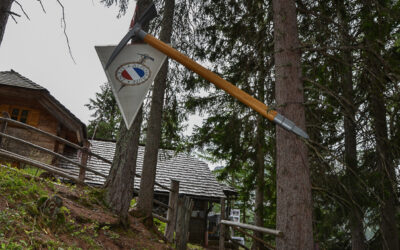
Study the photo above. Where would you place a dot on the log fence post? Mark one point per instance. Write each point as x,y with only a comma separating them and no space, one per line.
222,226
185,206
84,159
3,126
172,210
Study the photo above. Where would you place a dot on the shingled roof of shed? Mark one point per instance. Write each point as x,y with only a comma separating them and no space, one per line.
194,175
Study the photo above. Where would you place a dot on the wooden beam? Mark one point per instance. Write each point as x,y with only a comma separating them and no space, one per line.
66,142
99,157
49,168
161,203
160,218
60,114
254,237
24,125
252,227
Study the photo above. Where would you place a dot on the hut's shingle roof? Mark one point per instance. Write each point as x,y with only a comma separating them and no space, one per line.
12,78
194,175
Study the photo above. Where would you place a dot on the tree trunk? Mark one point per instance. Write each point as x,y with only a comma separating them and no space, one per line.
294,206
375,79
390,237
5,8
145,204
121,179
259,201
350,133
388,225
260,156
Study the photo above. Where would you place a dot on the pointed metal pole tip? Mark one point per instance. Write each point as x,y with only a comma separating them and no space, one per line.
290,126
300,132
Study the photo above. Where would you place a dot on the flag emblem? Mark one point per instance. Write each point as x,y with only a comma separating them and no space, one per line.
132,73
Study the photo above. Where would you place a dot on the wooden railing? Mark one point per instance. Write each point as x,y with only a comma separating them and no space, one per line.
240,228
173,204
52,169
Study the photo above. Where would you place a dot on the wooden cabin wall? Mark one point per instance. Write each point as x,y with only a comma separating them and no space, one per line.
43,120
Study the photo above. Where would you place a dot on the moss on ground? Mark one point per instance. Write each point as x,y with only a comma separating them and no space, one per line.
29,220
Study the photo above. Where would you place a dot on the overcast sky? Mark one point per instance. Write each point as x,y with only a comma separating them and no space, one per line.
37,48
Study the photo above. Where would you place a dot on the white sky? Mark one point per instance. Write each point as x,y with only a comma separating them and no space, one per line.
37,48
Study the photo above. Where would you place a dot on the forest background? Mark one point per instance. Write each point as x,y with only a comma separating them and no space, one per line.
350,54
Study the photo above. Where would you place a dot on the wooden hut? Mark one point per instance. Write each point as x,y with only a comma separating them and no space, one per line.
194,176
32,104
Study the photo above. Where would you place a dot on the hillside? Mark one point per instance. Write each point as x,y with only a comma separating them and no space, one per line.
40,214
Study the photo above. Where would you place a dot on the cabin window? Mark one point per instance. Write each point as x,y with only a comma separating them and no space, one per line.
24,115
19,114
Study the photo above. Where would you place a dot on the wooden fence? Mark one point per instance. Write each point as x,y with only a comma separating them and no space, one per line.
240,228
178,210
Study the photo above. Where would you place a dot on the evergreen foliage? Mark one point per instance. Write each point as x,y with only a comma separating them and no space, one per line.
350,57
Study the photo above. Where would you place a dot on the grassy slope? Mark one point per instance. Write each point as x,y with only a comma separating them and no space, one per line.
82,222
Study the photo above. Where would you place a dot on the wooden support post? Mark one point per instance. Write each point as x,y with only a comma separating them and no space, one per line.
57,146
206,210
172,210
84,159
185,206
222,226
3,125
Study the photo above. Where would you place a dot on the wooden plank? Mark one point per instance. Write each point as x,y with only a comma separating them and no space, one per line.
254,237
99,157
163,219
62,140
38,164
254,228
161,203
52,153
172,210
73,145
60,114
222,226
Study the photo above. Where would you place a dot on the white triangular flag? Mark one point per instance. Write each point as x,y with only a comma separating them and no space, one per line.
130,75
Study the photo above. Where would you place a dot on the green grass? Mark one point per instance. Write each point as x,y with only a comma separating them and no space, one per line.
160,225
23,224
